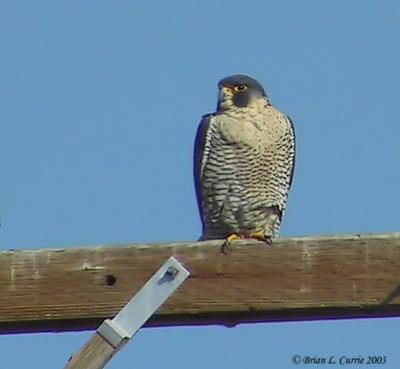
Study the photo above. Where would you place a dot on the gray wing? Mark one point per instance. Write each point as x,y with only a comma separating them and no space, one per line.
201,151
288,163
294,150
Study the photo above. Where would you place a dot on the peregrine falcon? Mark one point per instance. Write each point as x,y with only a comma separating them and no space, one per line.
244,159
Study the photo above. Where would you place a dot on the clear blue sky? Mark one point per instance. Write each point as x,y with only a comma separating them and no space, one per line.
99,106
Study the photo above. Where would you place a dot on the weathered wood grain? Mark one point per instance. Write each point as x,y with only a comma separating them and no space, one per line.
95,354
296,278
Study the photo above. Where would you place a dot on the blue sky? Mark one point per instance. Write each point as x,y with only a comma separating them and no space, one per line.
99,106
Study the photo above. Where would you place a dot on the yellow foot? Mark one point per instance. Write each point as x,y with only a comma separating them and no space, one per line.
260,236
228,242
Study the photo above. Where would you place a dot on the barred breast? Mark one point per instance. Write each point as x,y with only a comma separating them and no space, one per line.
247,171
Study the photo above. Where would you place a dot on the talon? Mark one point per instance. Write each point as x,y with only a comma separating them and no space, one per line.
229,240
268,240
261,236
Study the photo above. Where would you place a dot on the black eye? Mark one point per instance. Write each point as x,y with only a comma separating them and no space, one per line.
240,87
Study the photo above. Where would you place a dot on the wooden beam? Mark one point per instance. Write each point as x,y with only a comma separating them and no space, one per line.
95,354
295,278
114,334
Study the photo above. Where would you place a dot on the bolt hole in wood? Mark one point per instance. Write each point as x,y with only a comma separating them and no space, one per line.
110,280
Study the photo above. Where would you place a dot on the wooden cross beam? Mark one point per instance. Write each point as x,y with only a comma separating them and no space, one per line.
303,278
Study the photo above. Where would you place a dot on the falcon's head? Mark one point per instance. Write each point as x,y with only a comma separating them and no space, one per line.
238,90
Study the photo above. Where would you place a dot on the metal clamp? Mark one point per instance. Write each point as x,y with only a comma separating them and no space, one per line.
144,304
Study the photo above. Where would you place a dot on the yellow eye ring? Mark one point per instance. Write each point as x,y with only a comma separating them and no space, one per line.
240,88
